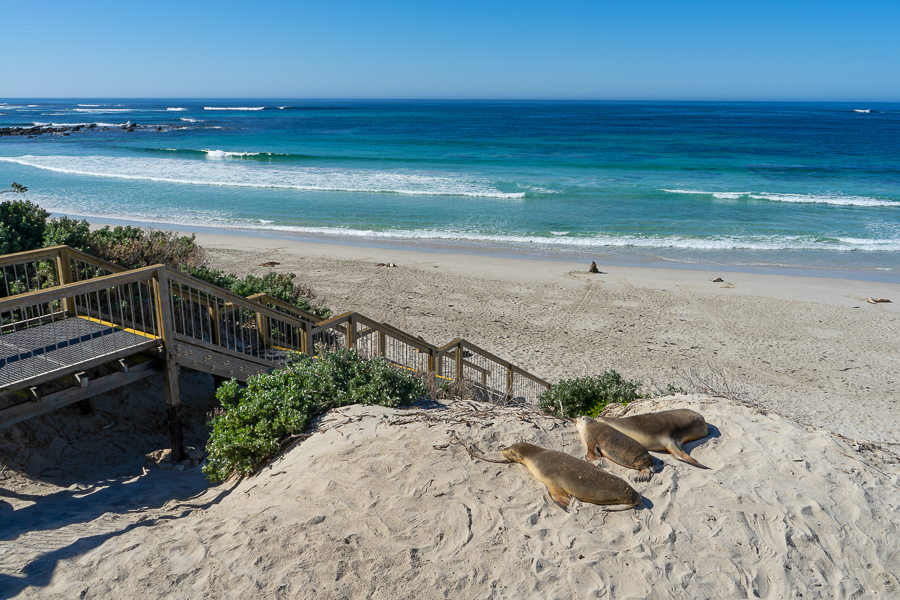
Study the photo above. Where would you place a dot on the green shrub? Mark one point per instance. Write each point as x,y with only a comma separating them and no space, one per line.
588,395
127,246
22,225
278,285
134,247
68,232
257,418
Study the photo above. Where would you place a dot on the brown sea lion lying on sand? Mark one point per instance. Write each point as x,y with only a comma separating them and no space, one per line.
614,445
566,476
663,431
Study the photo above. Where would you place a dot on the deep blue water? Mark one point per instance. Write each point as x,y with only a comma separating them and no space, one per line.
730,184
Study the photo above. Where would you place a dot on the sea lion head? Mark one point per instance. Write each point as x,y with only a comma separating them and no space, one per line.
518,452
581,423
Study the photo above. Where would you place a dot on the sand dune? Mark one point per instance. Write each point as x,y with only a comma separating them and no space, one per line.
378,505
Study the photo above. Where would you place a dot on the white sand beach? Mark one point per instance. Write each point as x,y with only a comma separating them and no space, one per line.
801,499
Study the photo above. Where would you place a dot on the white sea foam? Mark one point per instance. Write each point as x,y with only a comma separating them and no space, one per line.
825,198
224,154
242,174
102,110
176,109
187,120
560,232
862,110
38,124
91,105
600,241
234,108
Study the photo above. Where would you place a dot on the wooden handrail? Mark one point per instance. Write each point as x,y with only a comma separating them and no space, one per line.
392,331
29,256
79,287
445,349
264,298
236,299
93,260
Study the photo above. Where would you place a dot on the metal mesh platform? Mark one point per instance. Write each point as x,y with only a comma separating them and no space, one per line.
58,346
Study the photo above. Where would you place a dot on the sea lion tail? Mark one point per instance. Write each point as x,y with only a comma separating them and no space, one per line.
678,452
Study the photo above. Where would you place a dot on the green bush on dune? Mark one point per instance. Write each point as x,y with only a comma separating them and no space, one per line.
588,395
256,419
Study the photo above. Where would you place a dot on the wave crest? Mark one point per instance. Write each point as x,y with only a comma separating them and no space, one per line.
826,198
241,174
234,108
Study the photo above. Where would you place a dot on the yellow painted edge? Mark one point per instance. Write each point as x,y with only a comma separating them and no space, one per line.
114,326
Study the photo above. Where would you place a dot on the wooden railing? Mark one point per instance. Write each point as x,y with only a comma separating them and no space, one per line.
24,272
47,332
210,329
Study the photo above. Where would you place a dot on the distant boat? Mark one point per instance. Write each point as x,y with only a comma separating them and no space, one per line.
862,110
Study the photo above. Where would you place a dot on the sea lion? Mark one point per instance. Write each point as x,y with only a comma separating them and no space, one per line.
614,445
663,431
566,476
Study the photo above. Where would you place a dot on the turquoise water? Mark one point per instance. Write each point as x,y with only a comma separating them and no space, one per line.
735,185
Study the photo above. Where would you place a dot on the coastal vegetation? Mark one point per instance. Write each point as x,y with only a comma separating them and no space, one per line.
589,395
255,421
24,226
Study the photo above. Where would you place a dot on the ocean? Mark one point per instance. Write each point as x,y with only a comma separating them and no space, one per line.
808,188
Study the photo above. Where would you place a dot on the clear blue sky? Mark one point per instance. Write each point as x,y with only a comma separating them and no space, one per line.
598,49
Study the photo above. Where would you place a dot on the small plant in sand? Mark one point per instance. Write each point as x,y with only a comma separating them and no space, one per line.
256,419
588,395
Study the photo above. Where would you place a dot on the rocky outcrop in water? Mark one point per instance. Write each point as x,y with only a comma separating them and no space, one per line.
67,129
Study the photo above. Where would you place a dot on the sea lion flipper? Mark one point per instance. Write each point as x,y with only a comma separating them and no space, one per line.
591,454
560,496
643,475
678,452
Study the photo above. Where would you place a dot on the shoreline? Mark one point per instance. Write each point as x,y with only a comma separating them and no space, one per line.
832,290
607,257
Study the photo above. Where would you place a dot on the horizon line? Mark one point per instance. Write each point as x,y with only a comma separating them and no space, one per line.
453,99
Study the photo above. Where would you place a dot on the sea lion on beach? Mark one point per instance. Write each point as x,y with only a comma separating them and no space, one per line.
663,431
614,445
566,476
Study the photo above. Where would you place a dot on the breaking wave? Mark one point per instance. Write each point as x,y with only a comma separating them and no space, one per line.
240,174
835,199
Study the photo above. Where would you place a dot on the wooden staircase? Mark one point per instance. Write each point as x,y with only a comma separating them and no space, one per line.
73,326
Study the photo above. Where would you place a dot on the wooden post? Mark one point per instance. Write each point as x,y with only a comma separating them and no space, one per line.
509,382
351,331
309,343
262,329
64,272
214,333
170,372
459,362
382,344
